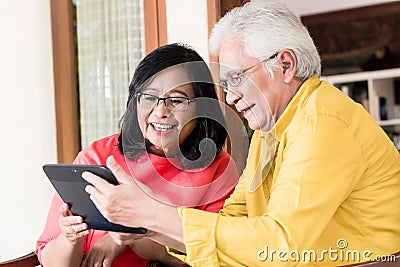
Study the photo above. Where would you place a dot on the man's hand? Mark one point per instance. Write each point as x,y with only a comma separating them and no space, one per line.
125,203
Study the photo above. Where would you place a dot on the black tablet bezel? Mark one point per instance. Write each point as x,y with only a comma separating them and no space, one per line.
69,184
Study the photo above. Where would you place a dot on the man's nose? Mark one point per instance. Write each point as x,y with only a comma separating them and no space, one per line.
232,97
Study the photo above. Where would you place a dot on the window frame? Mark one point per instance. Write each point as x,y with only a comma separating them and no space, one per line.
65,68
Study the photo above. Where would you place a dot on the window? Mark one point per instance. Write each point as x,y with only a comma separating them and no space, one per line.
65,69
110,41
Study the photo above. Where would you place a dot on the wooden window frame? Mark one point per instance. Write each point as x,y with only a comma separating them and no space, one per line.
65,82
64,68
215,10
155,21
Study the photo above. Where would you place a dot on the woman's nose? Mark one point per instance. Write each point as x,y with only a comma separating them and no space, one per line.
161,109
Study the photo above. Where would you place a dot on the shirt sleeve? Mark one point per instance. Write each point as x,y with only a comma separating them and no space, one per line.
235,205
307,189
51,229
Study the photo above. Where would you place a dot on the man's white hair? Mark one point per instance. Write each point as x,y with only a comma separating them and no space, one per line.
266,28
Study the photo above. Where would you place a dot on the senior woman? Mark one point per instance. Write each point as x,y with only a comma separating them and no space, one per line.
172,148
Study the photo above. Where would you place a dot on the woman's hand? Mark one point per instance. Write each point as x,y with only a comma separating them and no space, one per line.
66,249
147,248
103,252
125,239
72,227
151,250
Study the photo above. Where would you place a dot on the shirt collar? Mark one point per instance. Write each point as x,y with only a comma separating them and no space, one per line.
298,101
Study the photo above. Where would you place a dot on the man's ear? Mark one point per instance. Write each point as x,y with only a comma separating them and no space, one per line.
288,64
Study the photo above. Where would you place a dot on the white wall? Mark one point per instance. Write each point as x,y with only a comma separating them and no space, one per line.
187,22
27,123
308,7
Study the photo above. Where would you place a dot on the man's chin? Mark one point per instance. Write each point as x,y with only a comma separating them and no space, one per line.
253,126
265,127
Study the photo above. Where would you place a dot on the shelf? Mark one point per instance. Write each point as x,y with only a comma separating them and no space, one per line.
379,92
363,76
391,122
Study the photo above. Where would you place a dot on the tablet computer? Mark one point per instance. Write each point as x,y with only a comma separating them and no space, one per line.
69,184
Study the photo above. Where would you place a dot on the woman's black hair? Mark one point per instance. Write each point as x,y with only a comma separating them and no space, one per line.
210,120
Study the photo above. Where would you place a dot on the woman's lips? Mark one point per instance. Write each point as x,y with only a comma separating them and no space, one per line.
162,128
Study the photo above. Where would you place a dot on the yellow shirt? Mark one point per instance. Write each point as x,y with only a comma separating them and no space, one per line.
331,196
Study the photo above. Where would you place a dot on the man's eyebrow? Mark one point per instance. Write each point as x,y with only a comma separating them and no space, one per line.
223,76
228,72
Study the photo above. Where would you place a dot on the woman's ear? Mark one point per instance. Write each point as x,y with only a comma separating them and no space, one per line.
289,65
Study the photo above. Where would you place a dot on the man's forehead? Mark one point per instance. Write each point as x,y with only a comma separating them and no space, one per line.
232,57
231,52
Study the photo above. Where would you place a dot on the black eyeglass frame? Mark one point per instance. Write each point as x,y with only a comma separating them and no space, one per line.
167,101
239,74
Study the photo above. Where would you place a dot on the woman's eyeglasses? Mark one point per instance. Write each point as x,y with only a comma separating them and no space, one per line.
235,77
171,103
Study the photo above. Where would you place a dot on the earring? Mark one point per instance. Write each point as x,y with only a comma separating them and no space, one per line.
285,81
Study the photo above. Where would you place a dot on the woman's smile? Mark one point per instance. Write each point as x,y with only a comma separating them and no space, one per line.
161,128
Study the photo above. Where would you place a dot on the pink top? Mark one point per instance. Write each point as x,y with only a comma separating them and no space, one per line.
202,188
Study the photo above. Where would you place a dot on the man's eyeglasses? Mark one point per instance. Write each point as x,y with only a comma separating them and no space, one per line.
171,103
235,77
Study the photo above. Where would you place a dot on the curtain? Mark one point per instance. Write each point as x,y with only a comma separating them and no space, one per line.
110,38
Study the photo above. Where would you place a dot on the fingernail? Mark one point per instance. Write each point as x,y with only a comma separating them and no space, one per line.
87,189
